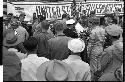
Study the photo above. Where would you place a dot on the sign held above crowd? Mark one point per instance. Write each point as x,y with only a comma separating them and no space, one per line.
38,7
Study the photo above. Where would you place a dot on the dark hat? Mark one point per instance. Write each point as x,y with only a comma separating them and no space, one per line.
11,39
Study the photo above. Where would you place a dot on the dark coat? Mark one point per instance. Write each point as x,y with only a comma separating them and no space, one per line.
70,33
58,47
111,59
42,39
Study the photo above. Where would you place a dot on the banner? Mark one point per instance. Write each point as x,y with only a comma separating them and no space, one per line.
36,7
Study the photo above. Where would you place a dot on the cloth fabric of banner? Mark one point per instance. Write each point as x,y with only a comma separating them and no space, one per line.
70,7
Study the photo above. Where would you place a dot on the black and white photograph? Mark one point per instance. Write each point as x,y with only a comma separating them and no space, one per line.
62,40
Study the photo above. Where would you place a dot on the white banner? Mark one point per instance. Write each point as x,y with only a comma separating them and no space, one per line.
36,7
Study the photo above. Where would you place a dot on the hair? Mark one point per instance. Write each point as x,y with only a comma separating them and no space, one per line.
45,25
42,18
30,44
114,21
58,26
64,16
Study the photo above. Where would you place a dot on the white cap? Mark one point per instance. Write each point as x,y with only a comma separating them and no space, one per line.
76,45
79,28
71,21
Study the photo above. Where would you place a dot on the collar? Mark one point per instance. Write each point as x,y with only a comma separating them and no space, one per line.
13,49
32,55
45,32
117,41
74,57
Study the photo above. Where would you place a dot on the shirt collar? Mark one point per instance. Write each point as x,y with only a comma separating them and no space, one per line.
13,49
117,41
74,57
32,55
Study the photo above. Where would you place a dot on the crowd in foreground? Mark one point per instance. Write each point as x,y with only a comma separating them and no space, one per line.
88,49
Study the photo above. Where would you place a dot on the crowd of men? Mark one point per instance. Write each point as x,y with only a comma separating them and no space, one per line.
87,48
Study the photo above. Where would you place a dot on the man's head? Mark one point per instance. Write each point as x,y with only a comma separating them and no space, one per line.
58,26
41,18
108,18
76,45
22,16
45,25
114,31
34,14
31,44
64,16
14,22
92,13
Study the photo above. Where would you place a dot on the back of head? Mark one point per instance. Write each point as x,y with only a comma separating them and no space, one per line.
30,44
45,25
58,26
64,16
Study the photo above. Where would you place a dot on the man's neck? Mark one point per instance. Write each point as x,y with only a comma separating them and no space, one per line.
115,41
60,33
32,52
44,30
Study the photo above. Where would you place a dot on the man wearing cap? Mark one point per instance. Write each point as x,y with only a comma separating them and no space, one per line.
42,39
112,57
58,48
80,68
32,62
70,31
55,70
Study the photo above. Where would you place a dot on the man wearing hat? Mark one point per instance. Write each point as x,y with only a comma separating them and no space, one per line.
11,42
80,68
32,62
112,57
55,70
58,48
70,31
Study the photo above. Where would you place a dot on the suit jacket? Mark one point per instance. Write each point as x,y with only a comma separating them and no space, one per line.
42,39
58,47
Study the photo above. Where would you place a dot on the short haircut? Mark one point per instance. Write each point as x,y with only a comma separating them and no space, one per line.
30,44
64,16
45,24
58,26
